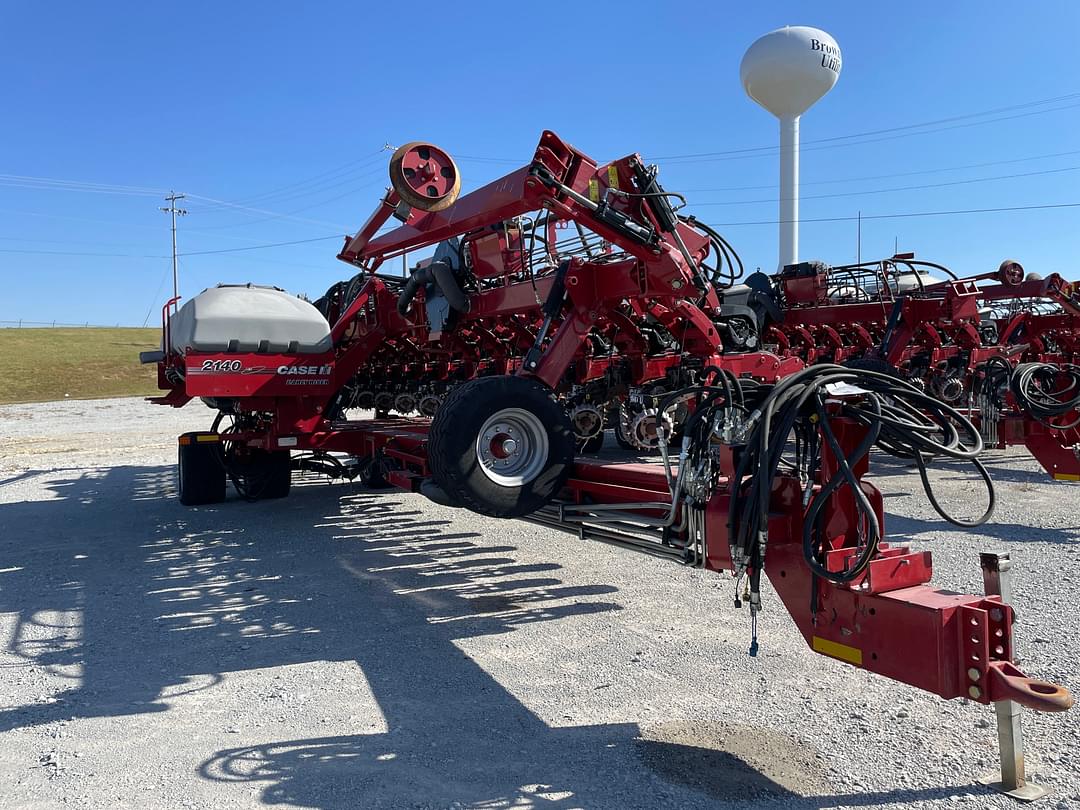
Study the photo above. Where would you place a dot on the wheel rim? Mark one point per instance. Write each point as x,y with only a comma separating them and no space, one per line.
512,447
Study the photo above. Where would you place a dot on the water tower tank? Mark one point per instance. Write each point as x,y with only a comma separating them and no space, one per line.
786,71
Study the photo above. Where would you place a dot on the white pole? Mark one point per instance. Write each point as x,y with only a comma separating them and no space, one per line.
789,190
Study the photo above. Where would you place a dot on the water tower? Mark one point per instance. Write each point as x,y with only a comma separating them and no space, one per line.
786,71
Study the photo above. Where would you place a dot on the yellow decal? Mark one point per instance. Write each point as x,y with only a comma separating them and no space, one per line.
612,176
834,649
212,437
1066,477
594,190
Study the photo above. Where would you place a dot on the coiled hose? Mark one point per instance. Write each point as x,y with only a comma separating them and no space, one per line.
900,420
1048,392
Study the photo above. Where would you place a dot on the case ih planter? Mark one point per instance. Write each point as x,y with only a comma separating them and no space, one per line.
567,297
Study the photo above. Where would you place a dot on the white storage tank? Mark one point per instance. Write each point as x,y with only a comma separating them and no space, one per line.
249,318
786,72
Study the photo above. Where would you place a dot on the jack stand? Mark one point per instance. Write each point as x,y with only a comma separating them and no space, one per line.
1013,782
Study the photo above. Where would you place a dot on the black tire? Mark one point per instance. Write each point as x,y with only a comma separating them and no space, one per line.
278,474
261,474
455,431
200,469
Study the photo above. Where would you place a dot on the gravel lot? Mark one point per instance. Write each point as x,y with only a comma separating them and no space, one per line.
351,649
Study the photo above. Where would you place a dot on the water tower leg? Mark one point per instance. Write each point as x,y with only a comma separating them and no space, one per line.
1013,782
789,190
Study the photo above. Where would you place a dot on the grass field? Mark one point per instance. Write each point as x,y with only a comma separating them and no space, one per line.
37,365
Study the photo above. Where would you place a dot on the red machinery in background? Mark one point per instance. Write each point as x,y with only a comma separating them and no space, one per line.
961,339
568,296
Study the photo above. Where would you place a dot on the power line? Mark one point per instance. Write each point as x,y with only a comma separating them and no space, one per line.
321,187
144,225
901,188
289,214
261,247
366,160
904,215
50,184
775,150
278,200
480,159
901,215
274,214
155,299
79,253
906,130
888,176
900,131
54,184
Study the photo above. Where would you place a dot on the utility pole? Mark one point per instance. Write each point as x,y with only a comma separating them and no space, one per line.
858,241
173,210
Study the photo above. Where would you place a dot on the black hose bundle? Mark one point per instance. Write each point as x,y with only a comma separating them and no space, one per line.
718,400
996,373
1048,392
729,266
900,420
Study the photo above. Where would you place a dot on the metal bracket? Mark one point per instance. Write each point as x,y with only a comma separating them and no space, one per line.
1013,781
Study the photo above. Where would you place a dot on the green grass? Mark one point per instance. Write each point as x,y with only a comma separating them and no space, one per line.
38,365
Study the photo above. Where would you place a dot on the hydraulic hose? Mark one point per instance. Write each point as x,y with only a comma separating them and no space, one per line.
900,420
442,276
1048,392
725,254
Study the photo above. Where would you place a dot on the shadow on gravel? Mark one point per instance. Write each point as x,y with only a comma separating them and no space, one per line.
428,765
1002,468
19,477
116,586
138,601
899,527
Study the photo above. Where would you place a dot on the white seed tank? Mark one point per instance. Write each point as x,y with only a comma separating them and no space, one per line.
248,318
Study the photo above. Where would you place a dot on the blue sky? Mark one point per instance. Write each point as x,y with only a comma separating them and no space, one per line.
283,108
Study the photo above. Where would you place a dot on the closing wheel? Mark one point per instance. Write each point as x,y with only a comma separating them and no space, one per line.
501,446
424,176
200,469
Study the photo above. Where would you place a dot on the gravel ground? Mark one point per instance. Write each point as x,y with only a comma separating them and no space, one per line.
351,649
